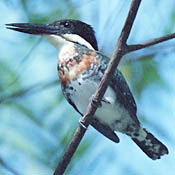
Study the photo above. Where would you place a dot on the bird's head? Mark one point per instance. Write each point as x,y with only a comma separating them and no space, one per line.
60,32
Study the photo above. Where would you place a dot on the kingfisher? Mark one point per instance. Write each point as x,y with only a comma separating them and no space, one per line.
80,68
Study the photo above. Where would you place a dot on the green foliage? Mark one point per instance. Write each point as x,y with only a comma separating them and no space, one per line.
170,28
8,78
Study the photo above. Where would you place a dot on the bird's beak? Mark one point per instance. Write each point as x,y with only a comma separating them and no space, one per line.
37,29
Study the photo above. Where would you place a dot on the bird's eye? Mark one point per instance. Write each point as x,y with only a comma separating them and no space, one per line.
67,24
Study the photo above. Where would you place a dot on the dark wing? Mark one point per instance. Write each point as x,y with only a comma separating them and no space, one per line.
99,126
105,130
124,95
120,86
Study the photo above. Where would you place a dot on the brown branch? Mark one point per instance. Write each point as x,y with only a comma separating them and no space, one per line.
120,50
132,48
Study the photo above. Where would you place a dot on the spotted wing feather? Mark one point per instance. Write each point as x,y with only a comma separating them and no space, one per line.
119,85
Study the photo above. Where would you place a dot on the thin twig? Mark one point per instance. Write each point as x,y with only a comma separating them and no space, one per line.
135,47
148,53
118,53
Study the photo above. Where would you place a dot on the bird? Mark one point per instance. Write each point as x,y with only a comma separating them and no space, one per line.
81,67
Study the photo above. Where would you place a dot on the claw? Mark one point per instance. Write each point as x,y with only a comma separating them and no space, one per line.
105,100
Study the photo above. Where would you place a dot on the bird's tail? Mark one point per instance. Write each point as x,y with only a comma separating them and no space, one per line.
151,146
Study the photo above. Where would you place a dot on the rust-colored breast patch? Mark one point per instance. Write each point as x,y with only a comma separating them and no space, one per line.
76,64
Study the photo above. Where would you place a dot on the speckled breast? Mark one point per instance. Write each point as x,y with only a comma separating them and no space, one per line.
74,62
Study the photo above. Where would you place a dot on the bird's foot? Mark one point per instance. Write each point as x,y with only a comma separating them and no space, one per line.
99,104
106,100
95,102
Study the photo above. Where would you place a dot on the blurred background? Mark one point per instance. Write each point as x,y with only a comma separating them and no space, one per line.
37,123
